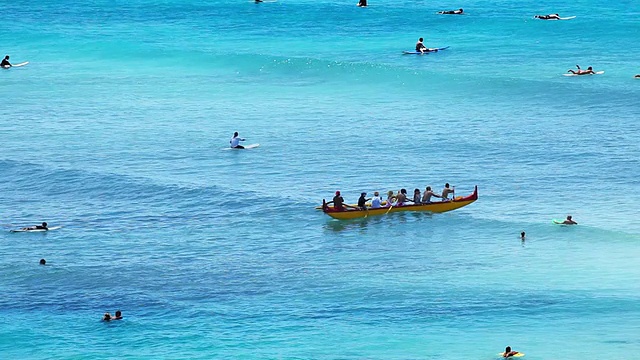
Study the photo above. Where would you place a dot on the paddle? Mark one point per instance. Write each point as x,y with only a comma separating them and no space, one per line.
390,207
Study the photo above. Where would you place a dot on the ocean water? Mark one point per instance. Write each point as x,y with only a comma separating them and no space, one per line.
115,131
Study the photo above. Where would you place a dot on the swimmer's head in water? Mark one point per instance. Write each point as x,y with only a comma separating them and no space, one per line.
43,261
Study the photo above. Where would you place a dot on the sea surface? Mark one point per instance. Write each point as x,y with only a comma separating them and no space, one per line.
115,130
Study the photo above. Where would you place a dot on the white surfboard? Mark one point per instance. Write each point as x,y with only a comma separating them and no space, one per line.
597,73
21,64
36,230
246,147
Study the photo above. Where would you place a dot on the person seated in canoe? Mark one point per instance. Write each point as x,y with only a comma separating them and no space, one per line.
376,201
362,3
508,352
428,193
235,141
417,198
548,17
568,221
446,191
44,226
451,12
5,62
401,198
362,201
391,199
589,71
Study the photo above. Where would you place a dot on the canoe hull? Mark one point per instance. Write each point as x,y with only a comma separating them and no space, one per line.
434,207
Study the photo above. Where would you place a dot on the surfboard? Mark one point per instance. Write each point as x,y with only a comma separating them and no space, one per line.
36,230
597,73
516,355
407,52
21,64
246,147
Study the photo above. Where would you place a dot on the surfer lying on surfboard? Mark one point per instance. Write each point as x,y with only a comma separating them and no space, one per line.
44,226
451,12
548,17
589,71
509,353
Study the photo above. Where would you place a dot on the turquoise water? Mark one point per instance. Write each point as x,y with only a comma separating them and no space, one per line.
115,131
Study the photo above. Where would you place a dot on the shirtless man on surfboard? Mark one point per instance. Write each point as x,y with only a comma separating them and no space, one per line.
589,71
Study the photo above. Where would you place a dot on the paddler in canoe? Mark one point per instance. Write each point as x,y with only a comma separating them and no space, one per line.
338,203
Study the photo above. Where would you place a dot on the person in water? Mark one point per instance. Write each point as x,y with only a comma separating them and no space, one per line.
44,226
589,71
420,46
451,12
548,17
362,3
118,315
446,191
5,62
106,317
522,236
508,352
569,221
428,193
235,141
43,262
376,201
362,201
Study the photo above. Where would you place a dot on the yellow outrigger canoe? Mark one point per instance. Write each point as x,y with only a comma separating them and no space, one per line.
434,207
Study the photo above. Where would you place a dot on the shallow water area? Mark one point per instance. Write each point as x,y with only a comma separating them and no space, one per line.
115,131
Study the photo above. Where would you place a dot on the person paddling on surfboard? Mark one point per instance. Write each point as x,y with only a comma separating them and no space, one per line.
589,71
5,62
235,141
569,221
44,226
451,12
548,17
508,352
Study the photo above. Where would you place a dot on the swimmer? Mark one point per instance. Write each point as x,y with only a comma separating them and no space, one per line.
589,71
637,76
508,352
43,262
451,12
118,315
362,3
569,221
106,317
5,62
235,141
522,236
